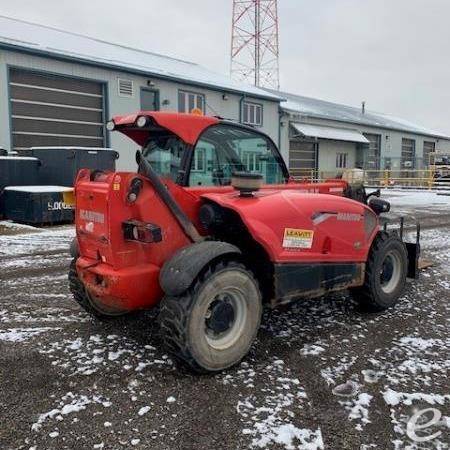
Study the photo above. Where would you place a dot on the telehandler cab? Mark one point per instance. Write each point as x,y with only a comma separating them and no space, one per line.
211,228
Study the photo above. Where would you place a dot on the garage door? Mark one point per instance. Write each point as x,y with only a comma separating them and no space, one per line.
55,111
302,158
372,157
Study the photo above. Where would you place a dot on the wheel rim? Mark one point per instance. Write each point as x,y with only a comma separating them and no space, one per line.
225,318
390,273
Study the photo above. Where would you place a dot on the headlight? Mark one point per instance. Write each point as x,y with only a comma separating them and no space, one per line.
141,121
110,125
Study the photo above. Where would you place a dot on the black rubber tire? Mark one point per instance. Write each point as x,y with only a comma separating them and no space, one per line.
81,297
371,295
182,318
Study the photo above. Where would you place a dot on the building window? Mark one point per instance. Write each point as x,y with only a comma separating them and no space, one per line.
251,161
252,114
341,160
199,163
408,153
188,101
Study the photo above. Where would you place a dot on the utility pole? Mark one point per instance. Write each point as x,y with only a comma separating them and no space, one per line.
255,43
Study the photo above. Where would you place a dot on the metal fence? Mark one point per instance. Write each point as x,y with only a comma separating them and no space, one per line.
429,178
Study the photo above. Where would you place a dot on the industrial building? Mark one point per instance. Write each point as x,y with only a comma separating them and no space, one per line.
59,88
320,136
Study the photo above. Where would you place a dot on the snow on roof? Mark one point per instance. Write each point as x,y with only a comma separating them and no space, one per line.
312,107
20,158
18,34
96,149
39,189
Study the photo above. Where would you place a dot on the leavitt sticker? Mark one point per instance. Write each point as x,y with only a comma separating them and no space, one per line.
295,238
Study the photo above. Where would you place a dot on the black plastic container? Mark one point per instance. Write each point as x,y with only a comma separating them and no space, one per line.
18,171
39,205
60,165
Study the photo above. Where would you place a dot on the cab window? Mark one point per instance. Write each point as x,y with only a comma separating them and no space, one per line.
164,152
224,149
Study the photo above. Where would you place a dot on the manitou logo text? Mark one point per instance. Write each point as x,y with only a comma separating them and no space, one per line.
92,216
349,217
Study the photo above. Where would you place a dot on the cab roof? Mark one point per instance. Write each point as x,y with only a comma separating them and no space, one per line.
187,126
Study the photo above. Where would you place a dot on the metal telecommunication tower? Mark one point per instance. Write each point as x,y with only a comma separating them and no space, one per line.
254,43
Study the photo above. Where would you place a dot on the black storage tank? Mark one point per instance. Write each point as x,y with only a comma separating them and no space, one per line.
18,171
38,204
60,165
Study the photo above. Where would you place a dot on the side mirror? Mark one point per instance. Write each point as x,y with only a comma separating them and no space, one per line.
379,206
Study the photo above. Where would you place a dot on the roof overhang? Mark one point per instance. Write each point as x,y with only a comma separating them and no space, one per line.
331,133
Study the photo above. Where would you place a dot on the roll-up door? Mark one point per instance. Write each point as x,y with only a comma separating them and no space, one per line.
48,110
302,158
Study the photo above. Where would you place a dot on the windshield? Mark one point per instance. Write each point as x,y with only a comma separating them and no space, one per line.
220,151
164,153
224,149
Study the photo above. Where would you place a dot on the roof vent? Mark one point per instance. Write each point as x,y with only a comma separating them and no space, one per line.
125,87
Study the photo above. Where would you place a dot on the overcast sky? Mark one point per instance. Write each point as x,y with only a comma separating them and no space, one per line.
394,54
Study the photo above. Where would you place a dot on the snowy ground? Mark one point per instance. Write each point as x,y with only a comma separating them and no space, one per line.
322,375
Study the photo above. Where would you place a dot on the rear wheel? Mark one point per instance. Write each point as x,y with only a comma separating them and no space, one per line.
212,325
385,277
88,302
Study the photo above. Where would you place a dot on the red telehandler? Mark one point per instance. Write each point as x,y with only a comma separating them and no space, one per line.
211,228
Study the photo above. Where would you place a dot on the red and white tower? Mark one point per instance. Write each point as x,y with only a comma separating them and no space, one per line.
254,43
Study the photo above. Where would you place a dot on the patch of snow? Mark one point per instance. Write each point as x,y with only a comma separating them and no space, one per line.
393,398
421,199
269,419
57,238
69,404
16,226
358,409
19,158
311,350
144,410
39,189
22,334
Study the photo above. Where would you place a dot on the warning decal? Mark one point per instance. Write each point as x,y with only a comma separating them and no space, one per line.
295,238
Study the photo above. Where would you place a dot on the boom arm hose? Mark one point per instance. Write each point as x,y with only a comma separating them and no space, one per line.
188,227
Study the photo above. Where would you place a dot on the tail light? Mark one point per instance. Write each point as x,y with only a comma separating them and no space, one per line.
134,230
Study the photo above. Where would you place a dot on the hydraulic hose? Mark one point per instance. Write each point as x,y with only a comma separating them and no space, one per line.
188,227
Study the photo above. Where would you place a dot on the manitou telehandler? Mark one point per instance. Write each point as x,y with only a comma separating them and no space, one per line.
211,228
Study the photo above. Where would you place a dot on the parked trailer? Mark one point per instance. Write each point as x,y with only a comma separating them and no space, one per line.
60,165
18,171
39,205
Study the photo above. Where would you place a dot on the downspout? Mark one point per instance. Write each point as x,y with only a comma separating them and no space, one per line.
280,117
241,107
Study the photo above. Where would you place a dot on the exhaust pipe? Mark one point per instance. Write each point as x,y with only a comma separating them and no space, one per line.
188,227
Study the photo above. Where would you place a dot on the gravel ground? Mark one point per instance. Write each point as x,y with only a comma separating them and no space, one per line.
322,374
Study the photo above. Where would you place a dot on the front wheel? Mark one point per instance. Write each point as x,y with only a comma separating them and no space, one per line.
385,277
212,325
